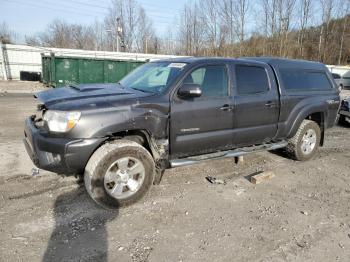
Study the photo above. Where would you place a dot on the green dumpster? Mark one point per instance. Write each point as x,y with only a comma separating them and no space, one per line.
59,71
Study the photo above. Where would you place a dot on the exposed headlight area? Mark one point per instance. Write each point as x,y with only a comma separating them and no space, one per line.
345,105
61,121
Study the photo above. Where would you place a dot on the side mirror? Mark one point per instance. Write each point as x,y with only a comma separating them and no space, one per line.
189,90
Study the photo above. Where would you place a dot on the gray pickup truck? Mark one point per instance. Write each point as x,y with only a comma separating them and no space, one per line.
121,137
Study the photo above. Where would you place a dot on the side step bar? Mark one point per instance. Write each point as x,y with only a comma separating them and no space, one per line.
224,154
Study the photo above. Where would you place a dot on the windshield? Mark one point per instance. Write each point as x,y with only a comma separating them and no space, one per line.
152,77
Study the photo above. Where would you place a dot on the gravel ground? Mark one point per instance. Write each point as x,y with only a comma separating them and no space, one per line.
302,214
20,87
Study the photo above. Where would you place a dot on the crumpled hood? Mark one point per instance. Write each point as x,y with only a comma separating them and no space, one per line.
79,93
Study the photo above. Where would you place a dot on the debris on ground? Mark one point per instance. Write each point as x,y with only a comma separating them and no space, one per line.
261,176
35,171
214,180
304,213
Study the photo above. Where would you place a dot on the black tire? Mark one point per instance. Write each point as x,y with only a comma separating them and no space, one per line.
342,121
101,160
294,147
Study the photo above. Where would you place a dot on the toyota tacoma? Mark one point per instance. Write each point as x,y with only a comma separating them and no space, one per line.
121,137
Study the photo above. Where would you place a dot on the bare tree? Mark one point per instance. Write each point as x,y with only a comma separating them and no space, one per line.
6,35
63,35
32,40
121,22
57,34
269,10
265,25
241,7
305,13
184,33
191,29
144,32
211,20
327,9
311,29
345,25
285,11
227,10
100,36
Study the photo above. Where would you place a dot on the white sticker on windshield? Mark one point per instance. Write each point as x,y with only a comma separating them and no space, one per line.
177,65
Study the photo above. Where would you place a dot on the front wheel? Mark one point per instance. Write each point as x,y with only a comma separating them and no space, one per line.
119,173
304,144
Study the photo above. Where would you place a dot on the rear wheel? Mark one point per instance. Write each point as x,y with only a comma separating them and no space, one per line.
304,144
119,173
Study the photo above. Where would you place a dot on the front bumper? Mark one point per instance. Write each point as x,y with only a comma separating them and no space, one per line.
60,155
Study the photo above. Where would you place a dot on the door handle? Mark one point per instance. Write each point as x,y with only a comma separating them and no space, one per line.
227,107
270,104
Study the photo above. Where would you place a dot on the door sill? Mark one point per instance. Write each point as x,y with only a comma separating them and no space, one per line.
225,154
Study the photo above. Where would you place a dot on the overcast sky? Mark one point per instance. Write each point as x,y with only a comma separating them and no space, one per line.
30,16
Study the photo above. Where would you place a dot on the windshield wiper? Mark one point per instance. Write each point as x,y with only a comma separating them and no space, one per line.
121,85
145,91
74,86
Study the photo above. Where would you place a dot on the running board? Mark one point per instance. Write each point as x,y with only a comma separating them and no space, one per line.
225,154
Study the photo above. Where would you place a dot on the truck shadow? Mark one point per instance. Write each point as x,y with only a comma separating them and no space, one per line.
80,232
281,153
344,125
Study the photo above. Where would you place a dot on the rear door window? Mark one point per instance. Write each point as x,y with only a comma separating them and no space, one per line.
251,80
304,80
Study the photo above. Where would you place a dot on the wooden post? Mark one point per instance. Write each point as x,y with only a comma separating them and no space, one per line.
257,179
239,160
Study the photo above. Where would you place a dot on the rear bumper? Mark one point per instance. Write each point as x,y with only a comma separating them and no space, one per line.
59,155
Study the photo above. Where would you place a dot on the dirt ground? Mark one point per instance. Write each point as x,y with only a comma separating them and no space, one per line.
302,214
20,87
